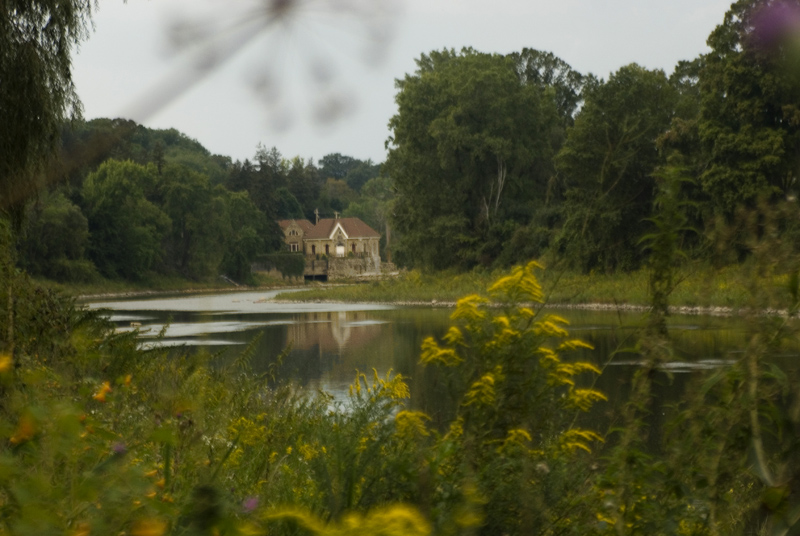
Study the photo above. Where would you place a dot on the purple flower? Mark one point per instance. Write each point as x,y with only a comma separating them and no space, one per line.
119,448
250,504
774,22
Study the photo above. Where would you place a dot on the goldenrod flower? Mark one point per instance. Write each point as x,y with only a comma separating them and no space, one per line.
149,527
411,424
6,363
26,429
100,396
83,529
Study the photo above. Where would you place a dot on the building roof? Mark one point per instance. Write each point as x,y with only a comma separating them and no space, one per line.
305,225
353,228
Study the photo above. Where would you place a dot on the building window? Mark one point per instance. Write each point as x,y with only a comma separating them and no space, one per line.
293,232
354,248
313,250
327,249
293,247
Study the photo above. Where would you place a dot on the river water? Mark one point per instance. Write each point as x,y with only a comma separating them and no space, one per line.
330,341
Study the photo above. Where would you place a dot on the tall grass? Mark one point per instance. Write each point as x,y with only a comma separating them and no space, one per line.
697,286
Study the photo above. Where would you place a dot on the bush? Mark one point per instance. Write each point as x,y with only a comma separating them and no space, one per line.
288,264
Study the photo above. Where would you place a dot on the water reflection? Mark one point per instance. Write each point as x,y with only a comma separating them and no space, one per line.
329,342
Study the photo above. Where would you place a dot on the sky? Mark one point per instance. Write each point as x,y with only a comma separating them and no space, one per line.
318,77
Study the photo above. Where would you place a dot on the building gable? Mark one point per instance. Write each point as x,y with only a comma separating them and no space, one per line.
333,232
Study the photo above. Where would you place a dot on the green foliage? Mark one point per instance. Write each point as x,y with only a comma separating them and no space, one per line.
470,144
37,94
305,184
55,237
545,70
518,398
126,228
748,117
200,223
607,166
361,174
664,243
288,206
288,264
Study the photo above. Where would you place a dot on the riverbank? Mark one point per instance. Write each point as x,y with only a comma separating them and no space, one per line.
161,286
700,290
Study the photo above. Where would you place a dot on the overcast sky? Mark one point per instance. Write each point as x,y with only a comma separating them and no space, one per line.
321,79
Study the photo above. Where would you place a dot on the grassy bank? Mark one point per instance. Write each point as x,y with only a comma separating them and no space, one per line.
160,284
696,286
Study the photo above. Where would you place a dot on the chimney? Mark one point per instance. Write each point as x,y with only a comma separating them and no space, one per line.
316,213
336,215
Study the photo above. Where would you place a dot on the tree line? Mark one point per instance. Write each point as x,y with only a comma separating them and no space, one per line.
492,160
135,201
496,159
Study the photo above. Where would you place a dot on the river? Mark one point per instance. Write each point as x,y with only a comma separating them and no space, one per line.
330,341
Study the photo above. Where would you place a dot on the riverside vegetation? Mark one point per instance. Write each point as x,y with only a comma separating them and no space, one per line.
519,157
702,287
101,437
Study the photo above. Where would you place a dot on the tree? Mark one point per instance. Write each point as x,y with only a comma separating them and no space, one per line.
126,229
54,238
37,94
248,230
374,207
199,224
607,166
304,184
750,117
336,166
288,207
361,173
469,142
546,70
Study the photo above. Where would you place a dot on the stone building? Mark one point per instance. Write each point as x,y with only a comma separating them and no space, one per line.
343,237
335,248
294,231
333,237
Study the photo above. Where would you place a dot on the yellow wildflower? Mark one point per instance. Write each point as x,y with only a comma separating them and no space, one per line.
100,396
149,527
83,529
26,429
433,353
411,424
5,363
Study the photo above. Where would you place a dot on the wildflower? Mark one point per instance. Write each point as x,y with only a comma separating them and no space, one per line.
149,527
119,448
5,363
100,396
309,452
83,529
411,424
433,353
26,429
250,504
